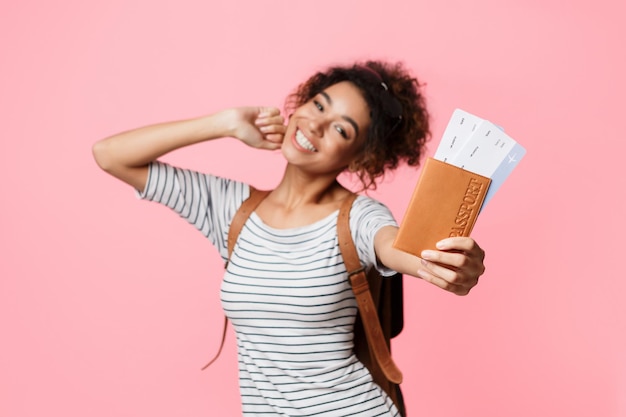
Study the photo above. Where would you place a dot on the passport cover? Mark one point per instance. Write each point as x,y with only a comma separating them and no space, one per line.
445,203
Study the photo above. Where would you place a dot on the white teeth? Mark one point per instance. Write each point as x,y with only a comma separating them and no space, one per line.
304,142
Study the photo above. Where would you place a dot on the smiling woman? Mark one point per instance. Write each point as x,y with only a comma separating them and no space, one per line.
326,133
395,105
286,289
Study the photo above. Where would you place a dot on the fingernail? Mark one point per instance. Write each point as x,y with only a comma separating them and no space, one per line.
421,274
427,254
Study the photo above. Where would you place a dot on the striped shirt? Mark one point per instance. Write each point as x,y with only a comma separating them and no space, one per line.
287,294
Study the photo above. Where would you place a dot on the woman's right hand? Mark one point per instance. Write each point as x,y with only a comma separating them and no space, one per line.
259,127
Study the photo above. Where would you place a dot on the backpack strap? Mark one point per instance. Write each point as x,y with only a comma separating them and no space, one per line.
236,224
241,216
367,310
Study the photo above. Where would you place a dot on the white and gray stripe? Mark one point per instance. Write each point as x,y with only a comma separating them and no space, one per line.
287,295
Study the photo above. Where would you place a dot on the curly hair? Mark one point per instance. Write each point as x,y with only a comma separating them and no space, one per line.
399,127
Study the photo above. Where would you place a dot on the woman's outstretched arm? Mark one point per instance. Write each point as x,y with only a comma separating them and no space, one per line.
127,155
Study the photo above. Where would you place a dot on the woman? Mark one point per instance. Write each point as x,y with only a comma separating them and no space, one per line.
286,290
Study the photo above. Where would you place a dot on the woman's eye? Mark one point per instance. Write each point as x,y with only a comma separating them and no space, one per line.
318,105
342,132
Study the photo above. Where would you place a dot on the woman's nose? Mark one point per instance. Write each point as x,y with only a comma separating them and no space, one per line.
316,125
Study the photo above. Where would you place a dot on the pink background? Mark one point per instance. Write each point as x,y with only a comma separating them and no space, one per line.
109,306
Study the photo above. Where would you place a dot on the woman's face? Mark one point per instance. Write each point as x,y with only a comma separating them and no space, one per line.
326,133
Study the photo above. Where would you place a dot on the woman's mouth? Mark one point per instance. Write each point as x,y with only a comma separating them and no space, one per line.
304,142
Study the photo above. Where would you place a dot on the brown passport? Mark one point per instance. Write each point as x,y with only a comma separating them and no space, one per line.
445,203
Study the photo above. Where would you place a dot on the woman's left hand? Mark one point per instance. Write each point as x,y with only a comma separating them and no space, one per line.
455,266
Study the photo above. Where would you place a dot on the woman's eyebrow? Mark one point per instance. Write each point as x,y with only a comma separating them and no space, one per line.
348,119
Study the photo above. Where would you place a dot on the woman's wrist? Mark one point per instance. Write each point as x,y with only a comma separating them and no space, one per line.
223,123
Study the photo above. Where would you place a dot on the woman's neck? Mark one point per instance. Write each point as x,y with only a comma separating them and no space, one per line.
299,188
301,199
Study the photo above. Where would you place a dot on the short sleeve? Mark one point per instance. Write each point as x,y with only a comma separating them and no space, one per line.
367,217
206,201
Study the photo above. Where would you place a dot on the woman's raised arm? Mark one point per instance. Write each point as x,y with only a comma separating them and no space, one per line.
127,155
